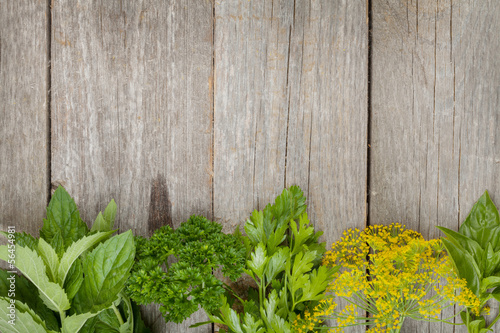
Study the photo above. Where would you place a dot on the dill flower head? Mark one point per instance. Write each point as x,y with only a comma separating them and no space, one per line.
393,273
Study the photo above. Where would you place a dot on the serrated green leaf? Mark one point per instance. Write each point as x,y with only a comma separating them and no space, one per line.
254,228
50,258
301,234
99,224
107,322
23,239
276,264
25,292
273,321
57,244
106,270
33,268
63,217
24,322
464,264
258,261
251,324
74,279
314,289
276,237
228,317
74,323
75,250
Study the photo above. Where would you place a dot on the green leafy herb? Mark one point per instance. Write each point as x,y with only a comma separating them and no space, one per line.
200,246
70,275
475,251
284,257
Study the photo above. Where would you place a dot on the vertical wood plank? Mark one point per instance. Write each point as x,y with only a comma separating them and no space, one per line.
435,120
250,116
291,108
476,47
23,114
132,113
327,133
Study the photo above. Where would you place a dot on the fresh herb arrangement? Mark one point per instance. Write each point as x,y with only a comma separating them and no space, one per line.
73,278
392,273
475,250
199,247
284,261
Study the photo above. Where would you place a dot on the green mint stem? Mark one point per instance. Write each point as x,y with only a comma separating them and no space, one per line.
118,315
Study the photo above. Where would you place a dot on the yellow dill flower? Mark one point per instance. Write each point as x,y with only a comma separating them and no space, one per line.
393,273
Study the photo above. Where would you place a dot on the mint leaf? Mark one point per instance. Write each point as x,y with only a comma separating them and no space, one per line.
74,279
27,293
76,249
63,217
23,239
110,214
24,321
50,258
74,323
106,270
33,268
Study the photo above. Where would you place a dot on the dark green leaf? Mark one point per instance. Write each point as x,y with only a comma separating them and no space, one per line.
74,279
469,245
139,326
106,270
23,239
107,322
63,217
491,261
483,222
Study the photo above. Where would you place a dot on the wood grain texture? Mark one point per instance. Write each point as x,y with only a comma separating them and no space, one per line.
251,108
291,108
132,113
327,132
435,122
23,114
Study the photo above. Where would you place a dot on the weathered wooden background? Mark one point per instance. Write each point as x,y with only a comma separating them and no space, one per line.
381,110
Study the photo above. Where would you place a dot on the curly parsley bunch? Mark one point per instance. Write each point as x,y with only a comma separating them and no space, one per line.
199,246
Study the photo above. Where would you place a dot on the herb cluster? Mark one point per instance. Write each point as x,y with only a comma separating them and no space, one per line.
392,273
198,247
475,250
284,257
73,277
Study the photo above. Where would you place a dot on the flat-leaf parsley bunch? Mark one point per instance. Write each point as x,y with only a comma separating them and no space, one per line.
284,261
392,273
